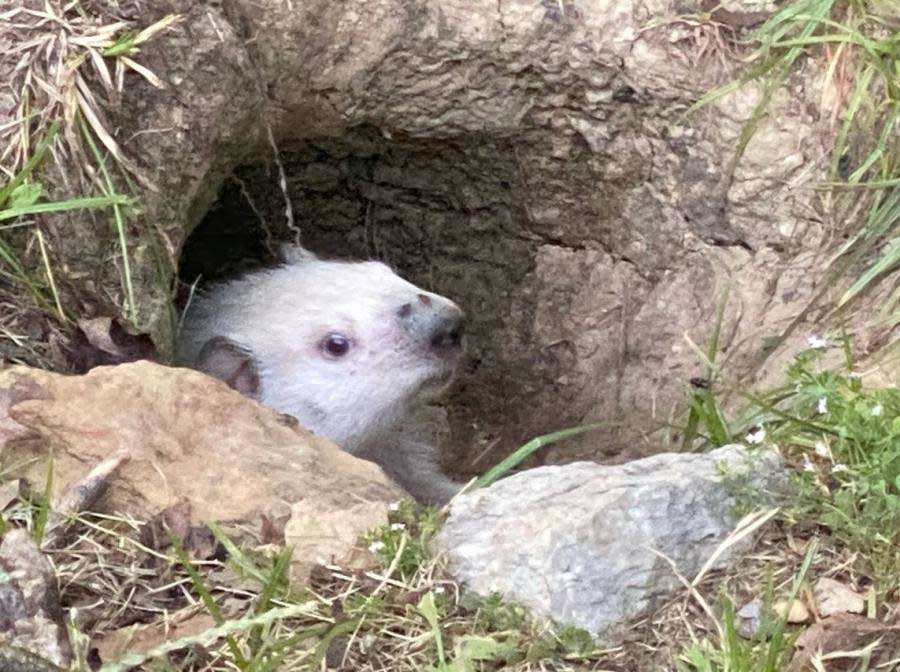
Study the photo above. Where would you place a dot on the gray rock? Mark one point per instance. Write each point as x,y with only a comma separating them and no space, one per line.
574,542
750,618
33,636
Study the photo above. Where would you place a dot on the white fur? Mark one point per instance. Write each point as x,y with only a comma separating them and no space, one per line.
360,401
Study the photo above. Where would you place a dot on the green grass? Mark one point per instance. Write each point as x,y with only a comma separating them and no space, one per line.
843,437
287,628
21,196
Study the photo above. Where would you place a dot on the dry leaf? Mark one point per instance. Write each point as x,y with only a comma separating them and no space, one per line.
142,638
101,341
833,597
844,633
197,540
796,611
272,530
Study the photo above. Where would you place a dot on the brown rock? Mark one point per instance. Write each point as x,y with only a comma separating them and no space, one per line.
188,436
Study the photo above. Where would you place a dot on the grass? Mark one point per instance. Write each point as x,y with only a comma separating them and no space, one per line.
408,614
20,198
844,440
841,436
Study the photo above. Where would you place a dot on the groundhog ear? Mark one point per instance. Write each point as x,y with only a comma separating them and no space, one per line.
295,254
230,363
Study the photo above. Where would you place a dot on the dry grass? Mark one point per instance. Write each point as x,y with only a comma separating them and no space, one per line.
128,596
68,64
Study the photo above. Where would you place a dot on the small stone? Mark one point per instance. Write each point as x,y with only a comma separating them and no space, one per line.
31,620
749,619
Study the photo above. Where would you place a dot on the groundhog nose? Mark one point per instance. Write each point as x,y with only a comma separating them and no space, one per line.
437,321
448,332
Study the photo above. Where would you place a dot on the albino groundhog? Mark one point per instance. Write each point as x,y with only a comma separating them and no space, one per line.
348,348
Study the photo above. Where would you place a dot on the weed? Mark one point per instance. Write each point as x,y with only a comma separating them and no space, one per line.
507,464
844,440
731,652
404,540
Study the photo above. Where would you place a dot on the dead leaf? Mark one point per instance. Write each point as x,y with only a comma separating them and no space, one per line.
844,633
272,530
175,520
10,491
834,597
796,611
102,341
201,543
142,638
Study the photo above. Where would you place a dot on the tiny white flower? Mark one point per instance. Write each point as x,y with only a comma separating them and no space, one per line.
816,342
877,409
822,406
756,435
394,506
376,546
807,464
839,468
822,449
438,590
398,526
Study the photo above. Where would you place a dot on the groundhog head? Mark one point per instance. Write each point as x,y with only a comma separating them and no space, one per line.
348,348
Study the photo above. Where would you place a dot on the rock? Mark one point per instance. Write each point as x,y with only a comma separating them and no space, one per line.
576,542
33,636
834,597
187,436
749,618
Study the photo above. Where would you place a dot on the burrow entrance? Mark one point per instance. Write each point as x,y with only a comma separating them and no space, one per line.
454,216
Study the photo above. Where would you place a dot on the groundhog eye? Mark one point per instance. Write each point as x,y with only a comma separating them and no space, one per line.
336,345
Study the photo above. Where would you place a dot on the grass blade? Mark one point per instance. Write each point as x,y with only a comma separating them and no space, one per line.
498,470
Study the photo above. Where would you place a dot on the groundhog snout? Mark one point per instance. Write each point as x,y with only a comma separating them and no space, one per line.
435,320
